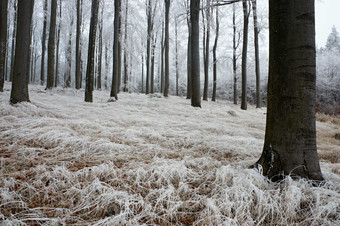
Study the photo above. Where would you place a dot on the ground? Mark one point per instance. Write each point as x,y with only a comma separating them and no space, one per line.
146,159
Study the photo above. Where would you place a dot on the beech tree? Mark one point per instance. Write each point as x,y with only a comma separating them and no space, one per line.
246,12
78,37
91,51
195,53
290,139
43,45
19,90
51,46
257,55
215,57
167,60
3,41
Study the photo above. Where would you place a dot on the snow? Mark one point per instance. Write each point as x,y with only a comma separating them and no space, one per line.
146,159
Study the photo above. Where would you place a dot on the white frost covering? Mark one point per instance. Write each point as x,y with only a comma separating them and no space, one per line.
149,160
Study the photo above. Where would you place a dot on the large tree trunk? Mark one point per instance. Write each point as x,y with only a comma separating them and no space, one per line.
91,51
215,57
56,80
290,140
3,41
13,38
43,45
244,54
189,83
195,53
51,46
19,90
78,36
257,56
167,60
115,77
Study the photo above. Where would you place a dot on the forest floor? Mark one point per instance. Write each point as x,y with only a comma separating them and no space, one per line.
146,159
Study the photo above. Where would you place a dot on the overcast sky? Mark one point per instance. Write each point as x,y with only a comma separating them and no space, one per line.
326,15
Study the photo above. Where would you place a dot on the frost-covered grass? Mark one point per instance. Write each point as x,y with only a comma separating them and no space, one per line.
149,160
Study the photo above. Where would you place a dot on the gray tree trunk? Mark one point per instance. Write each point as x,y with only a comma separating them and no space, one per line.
189,83
13,38
234,55
56,80
43,45
257,56
207,51
3,41
195,53
19,90
67,79
290,140
215,57
100,48
167,60
91,51
244,54
126,66
51,46
78,37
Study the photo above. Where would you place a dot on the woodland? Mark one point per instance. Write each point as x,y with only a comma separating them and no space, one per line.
152,112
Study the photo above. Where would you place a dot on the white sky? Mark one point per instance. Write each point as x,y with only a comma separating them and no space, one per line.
326,15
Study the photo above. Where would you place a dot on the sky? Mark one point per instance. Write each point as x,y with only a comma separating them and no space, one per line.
326,15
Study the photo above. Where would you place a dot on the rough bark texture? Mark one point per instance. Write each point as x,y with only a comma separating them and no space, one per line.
91,51
167,60
115,77
257,56
51,46
195,53
244,54
43,45
19,90
78,35
290,140
3,41
215,57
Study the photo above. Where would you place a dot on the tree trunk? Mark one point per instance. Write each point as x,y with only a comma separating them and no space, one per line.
115,77
78,37
51,46
176,43
207,51
195,53
91,51
3,41
152,78
100,48
19,90
43,43
13,38
56,80
257,56
106,85
167,63
126,66
162,59
234,55
189,94
244,54
148,46
215,58
67,80
142,73
290,140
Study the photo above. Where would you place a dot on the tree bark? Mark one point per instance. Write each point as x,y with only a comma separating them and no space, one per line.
176,47
234,55
167,60
43,43
100,48
290,139
207,52
257,56
189,83
195,53
115,77
78,37
148,45
19,90
67,79
215,57
51,46
3,41
56,80
91,51
13,38
244,54
126,66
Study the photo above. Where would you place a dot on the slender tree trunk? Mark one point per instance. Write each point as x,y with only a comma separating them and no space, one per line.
142,73
106,85
91,51
19,90
69,55
120,50
167,63
244,54
152,77
189,93
13,38
31,54
195,54
148,45
207,51
56,80
257,56
215,58
51,46
126,66
100,49
6,74
78,37
176,47
234,55
115,77
43,43
290,139
3,41
162,59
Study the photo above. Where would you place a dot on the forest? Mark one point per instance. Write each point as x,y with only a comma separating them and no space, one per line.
152,112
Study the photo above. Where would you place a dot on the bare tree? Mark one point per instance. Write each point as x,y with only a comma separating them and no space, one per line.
3,41
78,37
215,57
56,80
43,45
257,56
167,63
51,46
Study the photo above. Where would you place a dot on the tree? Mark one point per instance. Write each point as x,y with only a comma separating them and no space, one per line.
78,36
56,80
257,56
215,57
333,40
244,54
15,2
51,46
67,78
100,47
206,49
195,53
91,51
189,94
126,77
3,41
290,139
43,45
167,63
19,90
115,77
